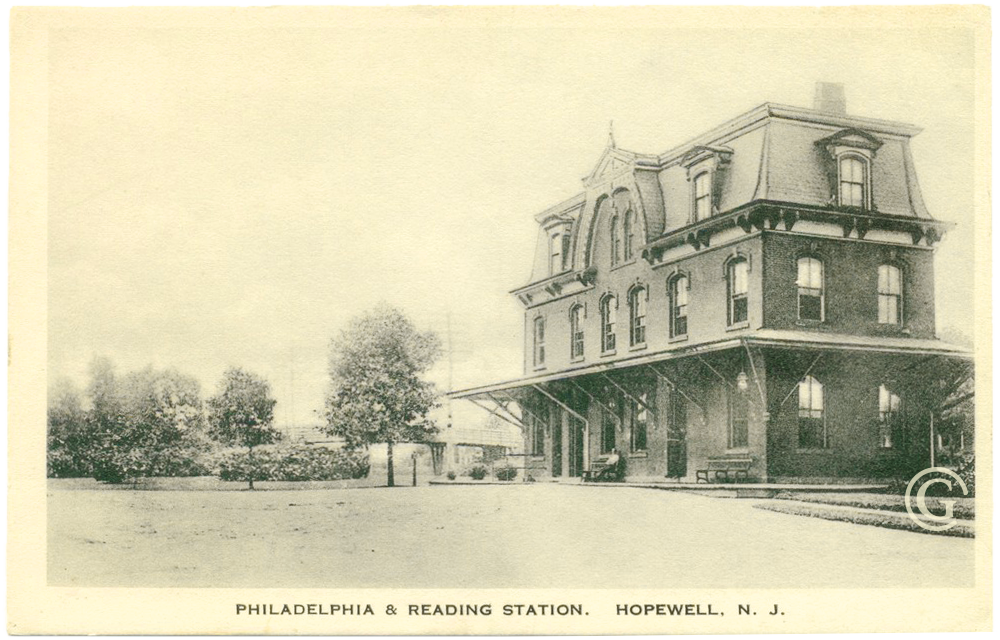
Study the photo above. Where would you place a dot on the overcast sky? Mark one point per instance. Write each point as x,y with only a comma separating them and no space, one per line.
233,196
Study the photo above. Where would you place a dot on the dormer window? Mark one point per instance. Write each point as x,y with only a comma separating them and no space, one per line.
853,179
851,153
705,168
555,253
702,196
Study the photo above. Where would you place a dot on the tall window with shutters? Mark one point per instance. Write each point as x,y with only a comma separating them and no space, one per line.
812,419
677,292
890,295
702,196
637,316
576,332
629,234
853,181
609,313
539,333
810,289
616,241
738,284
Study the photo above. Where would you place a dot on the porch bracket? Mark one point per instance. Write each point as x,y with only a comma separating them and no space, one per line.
600,404
673,385
561,404
493,412
753,368
802,377
629,395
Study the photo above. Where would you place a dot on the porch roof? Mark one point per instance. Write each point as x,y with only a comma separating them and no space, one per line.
779,338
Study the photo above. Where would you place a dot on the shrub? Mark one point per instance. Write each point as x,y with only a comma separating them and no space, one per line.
451,475
506,473
478,472
967,472
294,463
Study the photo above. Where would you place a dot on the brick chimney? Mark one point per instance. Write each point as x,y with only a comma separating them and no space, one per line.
830,98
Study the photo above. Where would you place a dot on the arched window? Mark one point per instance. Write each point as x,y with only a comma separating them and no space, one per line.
539,341
890,424
609,312
677,291
739,427
637,316
890,295
616,241
812,424
576,331
629,234
738,285
853,182
811,291
702,196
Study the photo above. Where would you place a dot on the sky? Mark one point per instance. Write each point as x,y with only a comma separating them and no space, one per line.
233,196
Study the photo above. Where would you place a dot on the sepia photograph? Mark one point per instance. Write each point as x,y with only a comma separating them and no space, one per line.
499,320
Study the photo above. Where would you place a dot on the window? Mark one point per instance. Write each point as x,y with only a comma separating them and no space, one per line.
812,426
539,342
616,241
555,253
739,405
609,311
702,196
637,316
890,432
853,182
640,423
890,295
629,234
536,435
565,251
608,428
576,332
678,294
810,284
737,275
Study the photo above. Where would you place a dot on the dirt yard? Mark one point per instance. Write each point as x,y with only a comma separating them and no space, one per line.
536,535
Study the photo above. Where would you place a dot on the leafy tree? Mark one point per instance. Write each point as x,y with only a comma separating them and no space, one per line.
68,435
242,414
376,392
143,424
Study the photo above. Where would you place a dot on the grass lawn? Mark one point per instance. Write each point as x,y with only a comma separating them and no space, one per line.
537,535
965,508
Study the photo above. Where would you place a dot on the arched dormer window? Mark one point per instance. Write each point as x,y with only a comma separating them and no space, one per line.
576,332
677,293
616,241
811,289
629,234
738,291
637,299
702,196
853,181
812,417
609,313
890,294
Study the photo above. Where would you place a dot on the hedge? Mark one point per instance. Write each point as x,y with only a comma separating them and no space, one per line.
294,463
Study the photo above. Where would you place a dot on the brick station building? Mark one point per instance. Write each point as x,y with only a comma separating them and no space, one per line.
763,294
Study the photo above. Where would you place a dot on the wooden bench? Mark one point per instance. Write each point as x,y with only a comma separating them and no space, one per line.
725,470
596,467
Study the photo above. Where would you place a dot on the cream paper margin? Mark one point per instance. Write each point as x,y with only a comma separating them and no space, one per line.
36,608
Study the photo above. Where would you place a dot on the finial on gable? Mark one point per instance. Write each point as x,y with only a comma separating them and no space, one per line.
611,134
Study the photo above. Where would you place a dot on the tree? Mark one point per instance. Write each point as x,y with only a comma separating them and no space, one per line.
242,413
145,423
376,392
68,438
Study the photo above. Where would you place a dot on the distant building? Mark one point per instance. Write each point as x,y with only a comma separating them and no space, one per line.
760,298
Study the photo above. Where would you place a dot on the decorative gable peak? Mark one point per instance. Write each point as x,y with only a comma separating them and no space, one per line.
613,163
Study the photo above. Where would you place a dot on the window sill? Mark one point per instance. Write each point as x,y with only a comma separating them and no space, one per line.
540,367
826,451
809,323
637,347
537,458
738,326
682,338
605,354
639,454
577,359
741,450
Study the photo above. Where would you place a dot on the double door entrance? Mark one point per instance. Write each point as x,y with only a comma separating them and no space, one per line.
567,447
